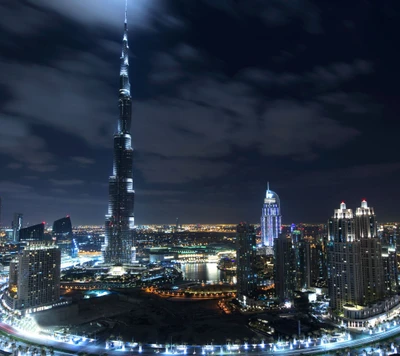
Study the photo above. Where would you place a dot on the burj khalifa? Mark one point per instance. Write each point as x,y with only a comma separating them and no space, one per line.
118,245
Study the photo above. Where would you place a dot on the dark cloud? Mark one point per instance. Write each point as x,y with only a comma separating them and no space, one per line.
17,141
300,130
345,175
209,127
274,13
12,13
83,160
66,182
326,76
181,170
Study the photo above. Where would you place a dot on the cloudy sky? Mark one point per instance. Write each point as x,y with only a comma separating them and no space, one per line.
227,95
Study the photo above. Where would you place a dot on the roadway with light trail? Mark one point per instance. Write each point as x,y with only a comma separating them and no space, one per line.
72,349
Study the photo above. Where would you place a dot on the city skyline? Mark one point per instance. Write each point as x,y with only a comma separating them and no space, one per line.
220,107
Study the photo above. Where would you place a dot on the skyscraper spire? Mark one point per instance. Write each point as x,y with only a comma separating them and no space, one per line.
126,14
118,245
267,185
125,87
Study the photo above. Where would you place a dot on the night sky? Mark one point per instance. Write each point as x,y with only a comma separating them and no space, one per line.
227,95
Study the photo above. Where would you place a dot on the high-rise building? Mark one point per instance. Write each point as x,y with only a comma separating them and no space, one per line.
313,239
34,280
271,219
387,235
360,272
246,258
366,231
34,232
284,269
62,228
118,245
16,226
302,260
62,234
344,260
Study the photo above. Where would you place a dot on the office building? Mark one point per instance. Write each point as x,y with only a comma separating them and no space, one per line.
16,226
118,245
302,260
34,232
284,269
62,228
246,258
271,219
62,234
34,280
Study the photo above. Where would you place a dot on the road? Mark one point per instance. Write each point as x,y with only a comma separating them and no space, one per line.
72,349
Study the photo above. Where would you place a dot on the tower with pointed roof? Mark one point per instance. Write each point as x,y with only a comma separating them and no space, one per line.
271,219
118,245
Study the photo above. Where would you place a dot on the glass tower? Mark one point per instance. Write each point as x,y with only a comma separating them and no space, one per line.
271,219
245,257
118,245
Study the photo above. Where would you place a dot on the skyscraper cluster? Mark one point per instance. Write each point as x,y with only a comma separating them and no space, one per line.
299,260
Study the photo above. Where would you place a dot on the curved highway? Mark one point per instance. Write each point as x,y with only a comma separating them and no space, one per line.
298,349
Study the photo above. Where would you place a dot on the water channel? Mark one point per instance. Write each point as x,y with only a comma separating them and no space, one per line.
206,272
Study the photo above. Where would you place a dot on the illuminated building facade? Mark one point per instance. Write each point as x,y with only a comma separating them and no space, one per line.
118,245
246,258
366,230
34,280
360,272
344,260
271,219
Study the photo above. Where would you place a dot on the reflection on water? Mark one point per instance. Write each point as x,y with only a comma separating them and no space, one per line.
206,272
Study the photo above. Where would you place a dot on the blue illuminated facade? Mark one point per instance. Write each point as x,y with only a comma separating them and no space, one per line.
271,219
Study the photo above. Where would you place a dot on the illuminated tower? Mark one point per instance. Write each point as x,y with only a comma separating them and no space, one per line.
366,230
271,219
344,260
118,245
34,282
